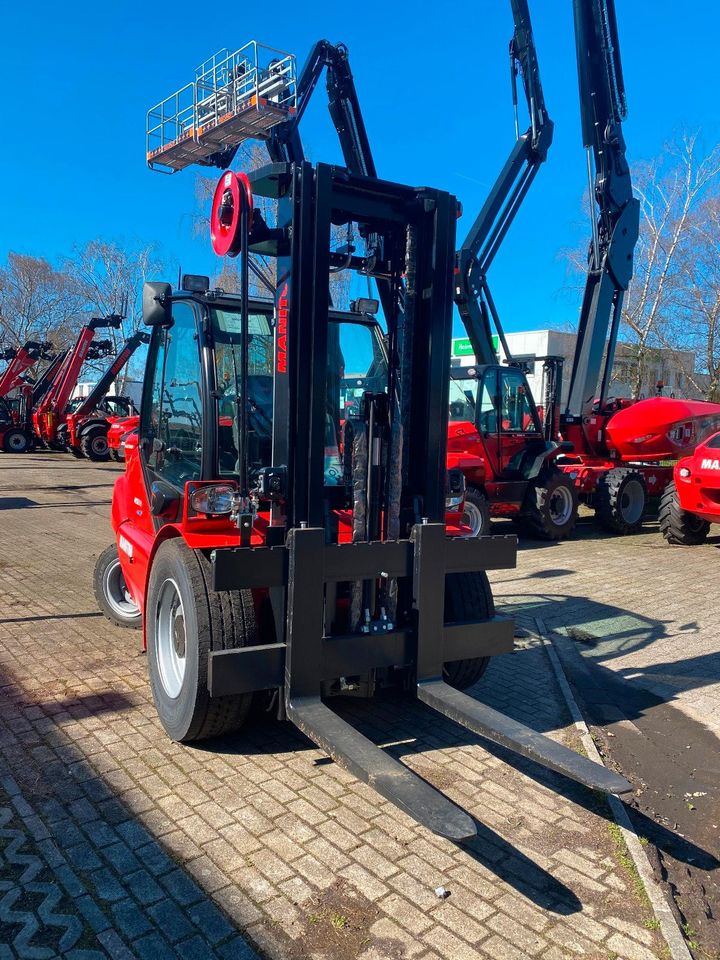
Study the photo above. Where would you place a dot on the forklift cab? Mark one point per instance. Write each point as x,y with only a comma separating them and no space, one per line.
193,367
495,403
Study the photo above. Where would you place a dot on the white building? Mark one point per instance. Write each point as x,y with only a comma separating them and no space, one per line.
530,347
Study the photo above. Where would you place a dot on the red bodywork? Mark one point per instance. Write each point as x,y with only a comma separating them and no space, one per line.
641,434
119,426
13,373
49,414
697,481
138,540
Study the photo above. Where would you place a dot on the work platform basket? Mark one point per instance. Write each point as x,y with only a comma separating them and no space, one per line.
234,97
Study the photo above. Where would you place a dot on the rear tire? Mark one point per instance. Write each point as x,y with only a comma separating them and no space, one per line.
551,507
17,440
115,455
476,513
621,500
677,525
185,621
111,592
467,597
94,445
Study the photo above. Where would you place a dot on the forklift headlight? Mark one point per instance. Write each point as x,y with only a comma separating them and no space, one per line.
684,472
215,499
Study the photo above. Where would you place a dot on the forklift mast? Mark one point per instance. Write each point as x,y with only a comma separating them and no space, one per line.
20,360
472,293
97,394
610,259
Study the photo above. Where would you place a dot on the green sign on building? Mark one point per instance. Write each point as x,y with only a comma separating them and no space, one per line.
461,346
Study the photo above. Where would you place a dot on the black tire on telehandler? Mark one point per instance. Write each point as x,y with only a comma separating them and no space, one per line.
551,507
467,597
476,513
17,440
115,455
621,500
94,445
677,525
185,621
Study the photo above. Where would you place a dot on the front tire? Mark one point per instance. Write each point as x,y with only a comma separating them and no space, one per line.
17,440
620,500
115,455
111,592
677,525
94,445
551,507
185,621
467,597
476,513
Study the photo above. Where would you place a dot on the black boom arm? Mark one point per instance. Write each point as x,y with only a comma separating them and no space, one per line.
615,232
472,294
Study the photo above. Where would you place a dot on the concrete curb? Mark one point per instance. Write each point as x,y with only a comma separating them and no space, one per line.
668,925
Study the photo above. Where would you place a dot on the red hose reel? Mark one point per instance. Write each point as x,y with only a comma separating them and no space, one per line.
232,191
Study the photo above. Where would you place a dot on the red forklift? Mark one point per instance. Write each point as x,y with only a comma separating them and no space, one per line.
619,445
89,421
283,546
48,416
496,435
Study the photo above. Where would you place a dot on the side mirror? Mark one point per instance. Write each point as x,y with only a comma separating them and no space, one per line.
157,304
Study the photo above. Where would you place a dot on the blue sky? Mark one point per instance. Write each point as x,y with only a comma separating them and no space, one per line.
433,82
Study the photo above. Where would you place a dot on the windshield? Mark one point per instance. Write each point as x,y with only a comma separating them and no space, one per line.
356,365
227,336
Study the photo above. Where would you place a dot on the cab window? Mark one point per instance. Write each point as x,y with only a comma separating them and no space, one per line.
173,429
462,400
517,410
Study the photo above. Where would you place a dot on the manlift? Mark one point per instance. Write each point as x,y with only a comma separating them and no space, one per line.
618,445
273,542
88,423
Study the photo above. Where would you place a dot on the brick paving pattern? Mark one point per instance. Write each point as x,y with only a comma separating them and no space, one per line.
115,842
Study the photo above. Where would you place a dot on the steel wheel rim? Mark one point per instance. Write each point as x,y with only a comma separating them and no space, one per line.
560,506
99,446
116,592
473,518
171,638
17,443
632,501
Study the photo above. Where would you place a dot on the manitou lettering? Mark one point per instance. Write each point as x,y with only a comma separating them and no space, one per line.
281,353
710,465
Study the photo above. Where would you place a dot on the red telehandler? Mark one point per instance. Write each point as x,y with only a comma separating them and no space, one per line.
48,416
282,544
20,360
89,422
619,446
691,503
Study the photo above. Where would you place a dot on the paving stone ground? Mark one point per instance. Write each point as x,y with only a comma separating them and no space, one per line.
115,842
643,609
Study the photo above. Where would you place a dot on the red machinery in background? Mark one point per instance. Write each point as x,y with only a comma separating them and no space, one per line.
118,431
20,360
691,502
619,445
89,423
48,418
